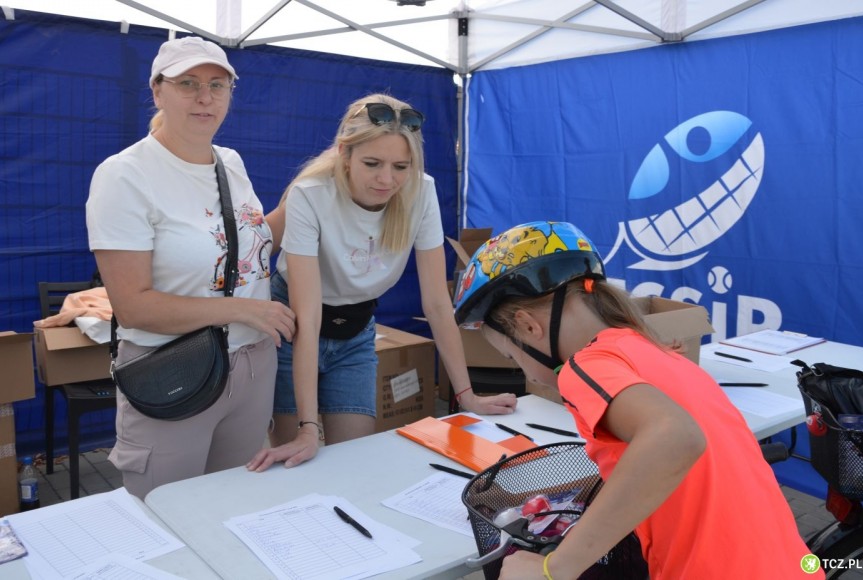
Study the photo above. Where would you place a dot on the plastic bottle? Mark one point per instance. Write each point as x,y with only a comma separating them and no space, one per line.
28,486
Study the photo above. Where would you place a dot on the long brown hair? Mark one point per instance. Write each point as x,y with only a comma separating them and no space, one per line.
611,304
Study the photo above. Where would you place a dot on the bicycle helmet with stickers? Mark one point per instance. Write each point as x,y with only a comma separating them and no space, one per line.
531,259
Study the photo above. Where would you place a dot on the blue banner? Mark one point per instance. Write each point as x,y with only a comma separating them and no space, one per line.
723,172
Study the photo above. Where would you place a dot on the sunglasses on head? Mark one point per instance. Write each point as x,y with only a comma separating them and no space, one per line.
381,113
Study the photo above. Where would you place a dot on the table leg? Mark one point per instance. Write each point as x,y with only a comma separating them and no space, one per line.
49,429
73,421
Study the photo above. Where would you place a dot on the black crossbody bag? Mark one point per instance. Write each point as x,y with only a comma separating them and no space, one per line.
188,374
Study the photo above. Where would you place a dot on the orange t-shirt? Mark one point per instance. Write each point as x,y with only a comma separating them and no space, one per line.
727,518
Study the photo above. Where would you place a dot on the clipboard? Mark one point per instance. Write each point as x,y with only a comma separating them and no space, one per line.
447,437
778,342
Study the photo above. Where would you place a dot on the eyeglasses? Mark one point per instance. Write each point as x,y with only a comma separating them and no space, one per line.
381,113
190,87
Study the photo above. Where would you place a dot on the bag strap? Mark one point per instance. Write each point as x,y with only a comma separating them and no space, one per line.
231,273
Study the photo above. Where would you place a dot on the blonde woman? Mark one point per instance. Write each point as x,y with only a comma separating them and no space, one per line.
351,218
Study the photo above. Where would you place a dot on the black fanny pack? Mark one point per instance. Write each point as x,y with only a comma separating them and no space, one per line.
346,321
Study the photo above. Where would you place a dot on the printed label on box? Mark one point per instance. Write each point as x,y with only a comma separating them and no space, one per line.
405,385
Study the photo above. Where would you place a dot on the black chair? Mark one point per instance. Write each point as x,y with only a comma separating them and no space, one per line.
83,397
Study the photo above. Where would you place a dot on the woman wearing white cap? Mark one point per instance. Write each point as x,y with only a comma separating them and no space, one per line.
155,226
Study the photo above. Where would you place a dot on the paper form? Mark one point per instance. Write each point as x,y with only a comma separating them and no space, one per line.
485,429
763,403
64,538
437,500
754,360
119,567
305,539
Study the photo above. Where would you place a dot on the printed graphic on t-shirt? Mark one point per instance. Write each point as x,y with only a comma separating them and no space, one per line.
366,259
253,260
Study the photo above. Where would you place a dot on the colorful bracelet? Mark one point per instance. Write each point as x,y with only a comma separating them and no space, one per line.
462,392
545,571
320,430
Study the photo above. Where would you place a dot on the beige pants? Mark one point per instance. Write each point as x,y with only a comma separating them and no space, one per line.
151,452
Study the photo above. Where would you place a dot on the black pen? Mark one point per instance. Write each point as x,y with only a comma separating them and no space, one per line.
513,431
451,470
563,432
743,385
352,522
734,356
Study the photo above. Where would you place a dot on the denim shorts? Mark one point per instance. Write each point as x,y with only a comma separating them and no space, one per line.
347,370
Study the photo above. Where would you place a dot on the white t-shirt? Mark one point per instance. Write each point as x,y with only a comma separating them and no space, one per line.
346,239
147,199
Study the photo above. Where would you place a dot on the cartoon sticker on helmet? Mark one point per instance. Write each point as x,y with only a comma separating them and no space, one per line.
466,281
541,256
515,247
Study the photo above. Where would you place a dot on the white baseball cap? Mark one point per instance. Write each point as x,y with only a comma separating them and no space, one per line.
181,54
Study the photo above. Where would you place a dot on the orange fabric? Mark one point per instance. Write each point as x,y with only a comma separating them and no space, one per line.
728,518
93,302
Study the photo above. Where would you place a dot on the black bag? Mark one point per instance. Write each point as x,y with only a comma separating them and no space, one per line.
346,321
837,452
837,388
180,378
188,374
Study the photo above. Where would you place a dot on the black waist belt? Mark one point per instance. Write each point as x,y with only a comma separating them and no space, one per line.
346,321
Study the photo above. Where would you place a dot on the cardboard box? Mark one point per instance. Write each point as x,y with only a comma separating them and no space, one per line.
469,241
66,355
671,320
16,360
8,461
677,322
406,386
477,353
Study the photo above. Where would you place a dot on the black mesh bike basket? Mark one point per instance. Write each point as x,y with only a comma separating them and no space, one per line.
552,469
838,454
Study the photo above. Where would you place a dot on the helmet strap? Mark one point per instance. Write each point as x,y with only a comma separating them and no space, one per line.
554,328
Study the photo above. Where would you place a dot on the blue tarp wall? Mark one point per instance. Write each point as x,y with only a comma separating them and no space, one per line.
73,92
725,172
728,173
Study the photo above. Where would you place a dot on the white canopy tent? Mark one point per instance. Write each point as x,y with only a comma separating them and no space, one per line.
462,35
568,133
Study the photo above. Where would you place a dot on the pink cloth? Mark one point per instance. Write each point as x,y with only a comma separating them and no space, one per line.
93,302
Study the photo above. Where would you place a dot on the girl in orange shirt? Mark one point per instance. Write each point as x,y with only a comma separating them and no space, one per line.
681,466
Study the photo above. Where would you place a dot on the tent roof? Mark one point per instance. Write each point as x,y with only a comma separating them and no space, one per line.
499,33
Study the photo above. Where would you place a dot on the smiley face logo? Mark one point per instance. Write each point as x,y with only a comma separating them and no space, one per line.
712,144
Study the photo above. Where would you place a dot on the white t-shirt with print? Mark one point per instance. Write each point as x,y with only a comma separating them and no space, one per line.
147,199
346,239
